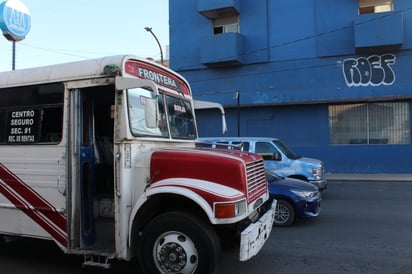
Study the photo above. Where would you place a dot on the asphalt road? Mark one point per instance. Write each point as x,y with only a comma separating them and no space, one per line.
364,227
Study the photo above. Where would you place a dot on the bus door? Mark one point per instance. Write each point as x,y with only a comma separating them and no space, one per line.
93,168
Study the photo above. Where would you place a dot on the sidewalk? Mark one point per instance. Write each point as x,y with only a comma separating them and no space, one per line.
369,177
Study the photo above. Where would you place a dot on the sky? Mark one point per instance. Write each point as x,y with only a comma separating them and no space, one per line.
72,30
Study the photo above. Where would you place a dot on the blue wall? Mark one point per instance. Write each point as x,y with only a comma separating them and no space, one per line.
297,57
304,128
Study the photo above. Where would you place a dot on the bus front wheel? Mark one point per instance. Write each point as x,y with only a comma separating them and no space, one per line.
177,242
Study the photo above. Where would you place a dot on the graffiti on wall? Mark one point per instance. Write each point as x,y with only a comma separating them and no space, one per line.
374,70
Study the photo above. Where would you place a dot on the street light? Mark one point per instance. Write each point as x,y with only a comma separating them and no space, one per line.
157,40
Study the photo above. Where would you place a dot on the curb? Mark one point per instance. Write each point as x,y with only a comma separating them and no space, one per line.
369,177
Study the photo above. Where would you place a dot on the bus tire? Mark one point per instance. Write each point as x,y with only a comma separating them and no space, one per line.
177,242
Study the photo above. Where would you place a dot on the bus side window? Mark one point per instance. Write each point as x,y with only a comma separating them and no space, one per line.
32,114
3,127
51,125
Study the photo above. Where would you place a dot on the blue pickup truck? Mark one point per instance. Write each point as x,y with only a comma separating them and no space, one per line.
278,157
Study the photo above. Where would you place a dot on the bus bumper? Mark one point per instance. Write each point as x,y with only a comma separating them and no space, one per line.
255,235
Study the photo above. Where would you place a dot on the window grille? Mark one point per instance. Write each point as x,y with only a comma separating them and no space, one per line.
370,123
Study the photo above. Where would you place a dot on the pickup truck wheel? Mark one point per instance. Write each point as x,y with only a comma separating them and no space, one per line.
178,243
285,213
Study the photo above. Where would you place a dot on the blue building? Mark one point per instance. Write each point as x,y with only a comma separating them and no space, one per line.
331,78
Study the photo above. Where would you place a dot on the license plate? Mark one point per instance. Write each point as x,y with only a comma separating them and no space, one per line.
255,235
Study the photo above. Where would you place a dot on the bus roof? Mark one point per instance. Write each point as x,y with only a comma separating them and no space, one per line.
91,68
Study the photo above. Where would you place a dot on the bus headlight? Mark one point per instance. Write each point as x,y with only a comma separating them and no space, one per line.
230,210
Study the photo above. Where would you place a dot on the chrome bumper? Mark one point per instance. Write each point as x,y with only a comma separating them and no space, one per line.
322,184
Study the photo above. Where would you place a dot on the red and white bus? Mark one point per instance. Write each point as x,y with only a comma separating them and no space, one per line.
99,156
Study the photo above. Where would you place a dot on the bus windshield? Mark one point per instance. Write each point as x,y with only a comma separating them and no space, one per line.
176,115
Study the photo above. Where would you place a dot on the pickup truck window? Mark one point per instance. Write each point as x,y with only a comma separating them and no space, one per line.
289,153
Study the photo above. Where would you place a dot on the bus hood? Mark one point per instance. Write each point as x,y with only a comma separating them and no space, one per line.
225,167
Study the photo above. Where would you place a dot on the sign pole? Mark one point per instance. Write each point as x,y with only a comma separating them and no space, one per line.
13,65
15,22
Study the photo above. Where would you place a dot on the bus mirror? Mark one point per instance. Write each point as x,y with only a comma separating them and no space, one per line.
151,113
129,83
207,105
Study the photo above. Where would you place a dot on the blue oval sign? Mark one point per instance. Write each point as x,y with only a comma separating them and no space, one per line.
15,20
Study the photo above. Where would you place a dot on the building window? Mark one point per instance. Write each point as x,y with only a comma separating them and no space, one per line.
226,24
370,123
375,6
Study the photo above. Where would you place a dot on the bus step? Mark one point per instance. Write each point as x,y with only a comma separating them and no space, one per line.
96,261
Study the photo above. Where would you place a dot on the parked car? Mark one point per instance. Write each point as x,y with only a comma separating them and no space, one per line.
296,199
278,157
